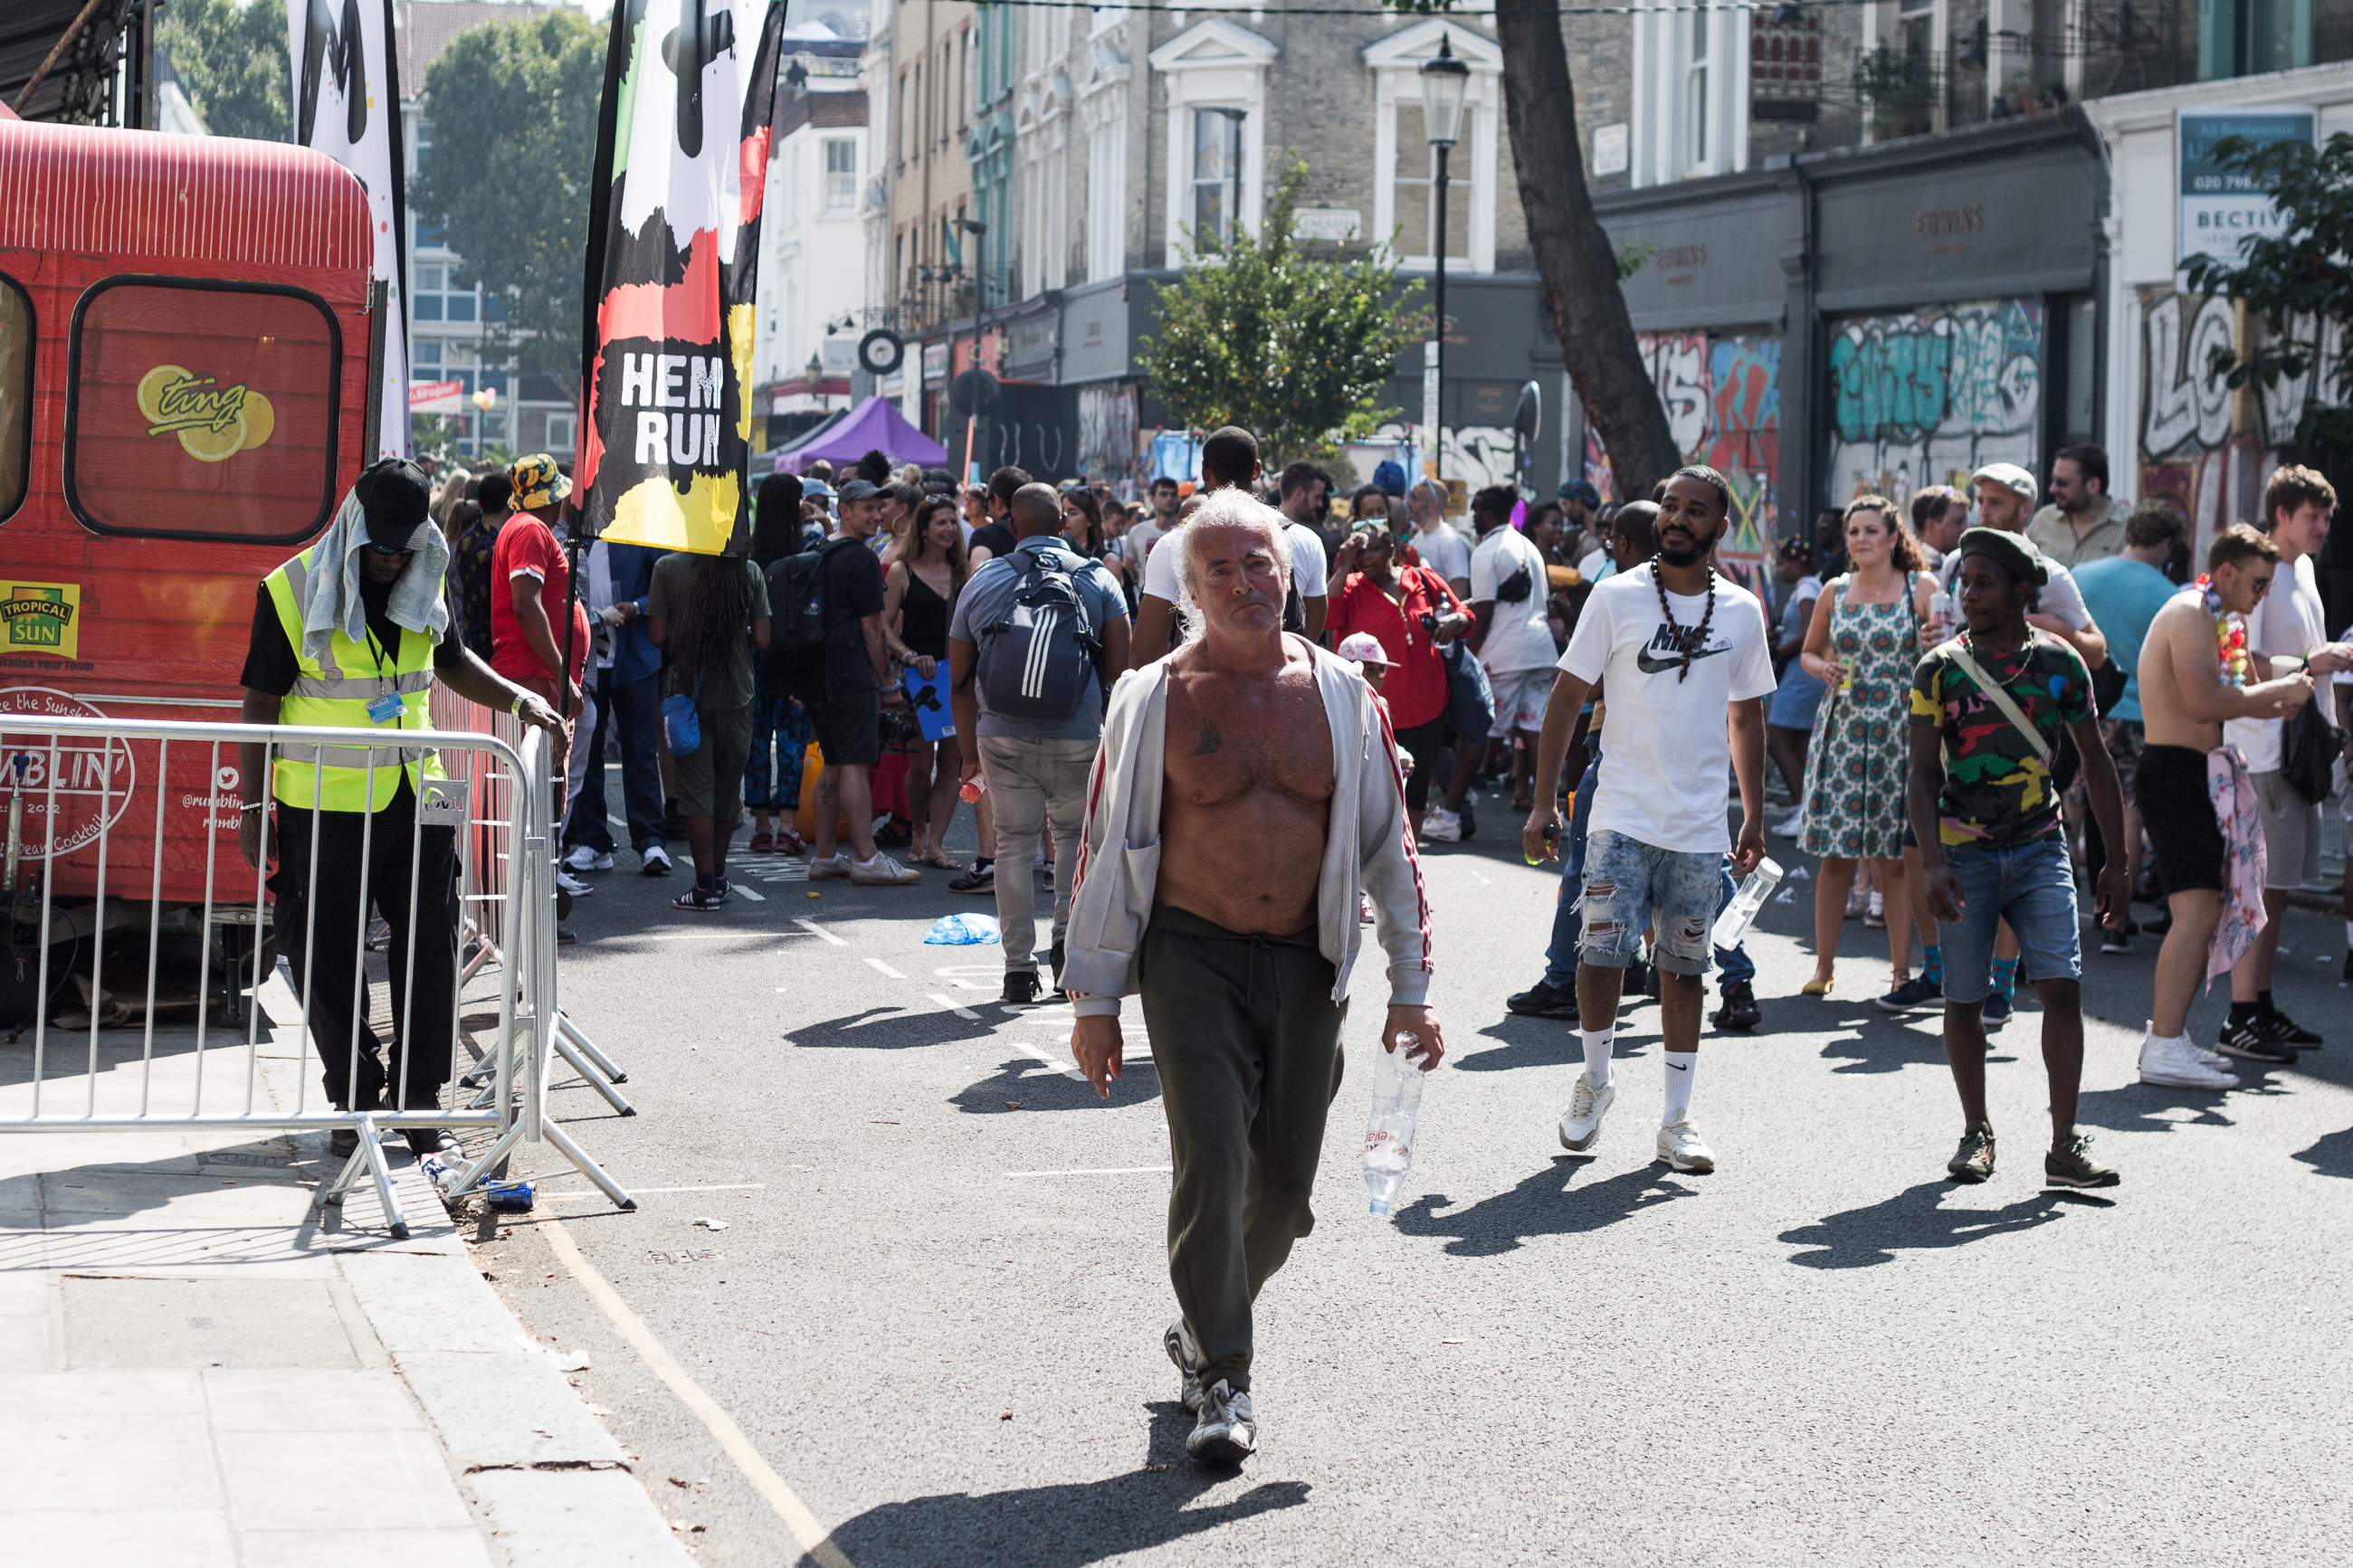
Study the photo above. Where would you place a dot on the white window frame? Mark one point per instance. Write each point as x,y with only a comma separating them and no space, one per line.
570,438
1473,167
1663,119
1213,63
848,205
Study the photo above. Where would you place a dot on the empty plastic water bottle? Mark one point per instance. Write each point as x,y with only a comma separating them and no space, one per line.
972,789
1750,897
1388,1132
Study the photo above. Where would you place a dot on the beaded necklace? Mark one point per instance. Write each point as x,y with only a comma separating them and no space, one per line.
1687,643
2230,632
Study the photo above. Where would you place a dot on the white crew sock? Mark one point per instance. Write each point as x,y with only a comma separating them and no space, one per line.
1681,1066
1597,1054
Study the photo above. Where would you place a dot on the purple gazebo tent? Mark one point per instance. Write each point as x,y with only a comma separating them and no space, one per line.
873,425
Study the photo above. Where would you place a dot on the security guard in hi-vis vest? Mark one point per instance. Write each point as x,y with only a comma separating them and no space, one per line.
352,633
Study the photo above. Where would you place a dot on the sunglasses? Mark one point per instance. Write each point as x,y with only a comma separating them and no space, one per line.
373,548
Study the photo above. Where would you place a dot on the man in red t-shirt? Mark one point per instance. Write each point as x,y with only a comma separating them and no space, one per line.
530,584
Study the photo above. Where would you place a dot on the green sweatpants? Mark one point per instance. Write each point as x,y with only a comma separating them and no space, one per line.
1246,1039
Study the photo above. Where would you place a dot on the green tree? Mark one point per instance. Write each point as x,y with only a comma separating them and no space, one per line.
514,111
1576,263
2295,281
1264,332
230,57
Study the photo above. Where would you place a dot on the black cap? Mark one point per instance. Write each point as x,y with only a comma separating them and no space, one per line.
2016,554
859,490
394,494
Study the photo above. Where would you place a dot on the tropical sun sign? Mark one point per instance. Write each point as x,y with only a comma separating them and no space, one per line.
213,422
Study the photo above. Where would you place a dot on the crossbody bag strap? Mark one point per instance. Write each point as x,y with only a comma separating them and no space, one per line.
2000,699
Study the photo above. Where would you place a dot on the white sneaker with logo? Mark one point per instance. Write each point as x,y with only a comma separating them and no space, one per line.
879,872
1442,826
1581,1124
1225,1434
1681,1146
2181,1064
832,868
583,858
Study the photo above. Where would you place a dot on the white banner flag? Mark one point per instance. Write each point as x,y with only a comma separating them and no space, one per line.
347,105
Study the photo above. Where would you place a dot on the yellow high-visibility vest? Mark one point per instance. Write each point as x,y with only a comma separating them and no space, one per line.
337,692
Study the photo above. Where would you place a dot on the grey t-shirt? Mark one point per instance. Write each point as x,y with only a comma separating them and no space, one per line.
988,594
671,596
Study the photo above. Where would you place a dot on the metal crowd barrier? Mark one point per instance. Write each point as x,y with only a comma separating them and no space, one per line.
120,833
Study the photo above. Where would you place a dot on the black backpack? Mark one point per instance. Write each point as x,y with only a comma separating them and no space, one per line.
798,603
1035,658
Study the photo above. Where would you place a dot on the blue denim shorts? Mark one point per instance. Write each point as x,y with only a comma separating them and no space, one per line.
1630,885
2032,885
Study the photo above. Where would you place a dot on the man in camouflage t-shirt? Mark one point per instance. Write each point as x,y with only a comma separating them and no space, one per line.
1989,710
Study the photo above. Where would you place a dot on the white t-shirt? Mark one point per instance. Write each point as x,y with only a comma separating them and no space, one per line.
2061,597
1589,565
1443,551
1520,637
1666,742
1307,568
2288,620
1140,539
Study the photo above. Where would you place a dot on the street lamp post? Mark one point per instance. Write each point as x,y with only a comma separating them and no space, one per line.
816,378
1444,82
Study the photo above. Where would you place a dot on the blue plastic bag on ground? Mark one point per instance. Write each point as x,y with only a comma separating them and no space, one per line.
961,930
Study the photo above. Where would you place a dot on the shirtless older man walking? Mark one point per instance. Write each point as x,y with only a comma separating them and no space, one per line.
1247,789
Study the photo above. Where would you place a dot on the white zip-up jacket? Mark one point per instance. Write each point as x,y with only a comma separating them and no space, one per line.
1366,846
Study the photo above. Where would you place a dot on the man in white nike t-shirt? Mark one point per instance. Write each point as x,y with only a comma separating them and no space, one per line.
1686,664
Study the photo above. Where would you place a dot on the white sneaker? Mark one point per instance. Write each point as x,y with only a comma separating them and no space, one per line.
1581,1124
654,860
1443,826
2177,1064
583,858
1682,1147
573,885
882,871
833,868
1792,825
1225,1435
1178,1343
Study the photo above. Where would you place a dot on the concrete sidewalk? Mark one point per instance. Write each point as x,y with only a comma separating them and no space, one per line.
198,1367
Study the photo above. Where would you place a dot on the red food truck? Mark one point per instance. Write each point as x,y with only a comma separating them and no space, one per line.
187,337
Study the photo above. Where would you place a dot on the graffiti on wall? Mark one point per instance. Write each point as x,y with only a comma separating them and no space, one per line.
1928,396
1475,455
1107,432
2202,446
1723,398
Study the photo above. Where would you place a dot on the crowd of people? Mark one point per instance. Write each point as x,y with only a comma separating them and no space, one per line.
1223,723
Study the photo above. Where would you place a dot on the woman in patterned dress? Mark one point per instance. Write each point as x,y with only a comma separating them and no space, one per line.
1863,644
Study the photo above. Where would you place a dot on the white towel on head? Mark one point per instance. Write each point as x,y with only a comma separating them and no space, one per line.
331,603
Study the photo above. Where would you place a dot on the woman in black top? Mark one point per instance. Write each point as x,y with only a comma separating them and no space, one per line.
918,595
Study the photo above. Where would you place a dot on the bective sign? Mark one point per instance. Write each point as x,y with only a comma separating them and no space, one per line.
2220,211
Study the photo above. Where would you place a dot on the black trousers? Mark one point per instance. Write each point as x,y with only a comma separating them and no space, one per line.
322,931
1246,1037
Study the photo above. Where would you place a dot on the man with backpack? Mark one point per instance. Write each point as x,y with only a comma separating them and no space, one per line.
826,648
1035,633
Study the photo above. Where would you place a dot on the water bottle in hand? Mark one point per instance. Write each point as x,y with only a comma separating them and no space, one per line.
972,788
1388,1132
1750,897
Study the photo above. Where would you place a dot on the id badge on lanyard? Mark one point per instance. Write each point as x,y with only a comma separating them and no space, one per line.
386,708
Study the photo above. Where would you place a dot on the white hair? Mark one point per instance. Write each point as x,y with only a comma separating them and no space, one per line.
1226,508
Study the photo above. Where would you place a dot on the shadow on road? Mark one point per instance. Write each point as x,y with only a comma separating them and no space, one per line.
1025,1084
1524,1043
2332,1157
1064,1526
892,1029
2152,1108
1544,1204
1916,1219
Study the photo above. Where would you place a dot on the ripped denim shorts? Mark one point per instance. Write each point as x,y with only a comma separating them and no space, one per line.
1630,886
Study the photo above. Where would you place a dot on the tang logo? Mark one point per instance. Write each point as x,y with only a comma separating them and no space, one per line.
213,422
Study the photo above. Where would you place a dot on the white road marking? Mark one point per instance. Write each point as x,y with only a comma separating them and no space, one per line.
959,1012
722,1188
878,964
1067,1069
820,932
1478,878
812,1536
714,935
1114,1171
756,898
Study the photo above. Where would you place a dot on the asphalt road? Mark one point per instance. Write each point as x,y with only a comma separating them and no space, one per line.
936,1307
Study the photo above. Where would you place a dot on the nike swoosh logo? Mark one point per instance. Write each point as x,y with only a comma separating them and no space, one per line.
1679,1066
1650,663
